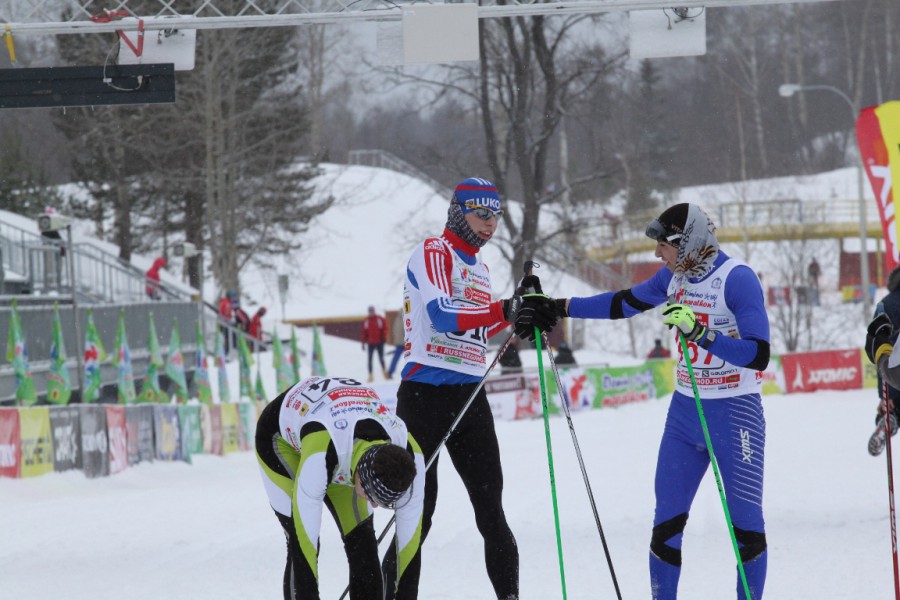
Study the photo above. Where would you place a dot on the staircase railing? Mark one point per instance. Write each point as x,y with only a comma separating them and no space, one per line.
386,160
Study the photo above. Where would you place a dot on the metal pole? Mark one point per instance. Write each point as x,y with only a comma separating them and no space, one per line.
79,343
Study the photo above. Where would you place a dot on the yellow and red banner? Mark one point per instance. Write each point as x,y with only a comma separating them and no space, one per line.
878,135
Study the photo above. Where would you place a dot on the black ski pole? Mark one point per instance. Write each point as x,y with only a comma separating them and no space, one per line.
584,475
447,435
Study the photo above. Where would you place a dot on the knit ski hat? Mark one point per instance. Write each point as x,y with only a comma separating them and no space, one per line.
377,490
688,228
470,194
475,193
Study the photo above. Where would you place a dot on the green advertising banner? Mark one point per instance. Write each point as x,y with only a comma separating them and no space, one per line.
37,441
191,433
248,423
773,377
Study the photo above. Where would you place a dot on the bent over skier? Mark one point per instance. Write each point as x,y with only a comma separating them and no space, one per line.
720,309
331,441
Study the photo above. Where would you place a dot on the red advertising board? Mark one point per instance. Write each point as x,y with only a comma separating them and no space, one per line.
10,443
830,370
118,440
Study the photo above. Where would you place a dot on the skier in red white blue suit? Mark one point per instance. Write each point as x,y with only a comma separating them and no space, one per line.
717,303
450,315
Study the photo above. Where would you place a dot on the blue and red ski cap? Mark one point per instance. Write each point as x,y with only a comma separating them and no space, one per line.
475,192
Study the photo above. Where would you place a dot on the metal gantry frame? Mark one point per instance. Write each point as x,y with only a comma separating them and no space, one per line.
21,17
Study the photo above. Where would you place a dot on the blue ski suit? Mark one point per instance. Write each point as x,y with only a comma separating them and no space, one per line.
736,425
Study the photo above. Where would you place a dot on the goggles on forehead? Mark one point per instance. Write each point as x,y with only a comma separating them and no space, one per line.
657,231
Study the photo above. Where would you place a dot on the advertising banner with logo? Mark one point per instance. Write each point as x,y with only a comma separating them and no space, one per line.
139,433
37,441
831,370
65,424
211,424
870,374
117,436
513,397
191,433
231,434
94,443
247,413
773,377
616,386
10,443
168,432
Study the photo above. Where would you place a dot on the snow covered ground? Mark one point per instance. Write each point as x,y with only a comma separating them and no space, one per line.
160,530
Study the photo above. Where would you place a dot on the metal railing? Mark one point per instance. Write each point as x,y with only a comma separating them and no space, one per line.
40,266
386,160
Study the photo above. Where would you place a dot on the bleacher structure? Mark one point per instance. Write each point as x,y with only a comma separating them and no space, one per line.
39,272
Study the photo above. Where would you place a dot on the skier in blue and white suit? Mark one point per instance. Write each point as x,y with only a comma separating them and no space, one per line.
717,302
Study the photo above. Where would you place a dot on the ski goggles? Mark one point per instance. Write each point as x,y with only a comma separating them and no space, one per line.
375,490
657,231
485,214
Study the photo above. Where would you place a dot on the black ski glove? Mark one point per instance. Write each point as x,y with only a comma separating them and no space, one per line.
538,311
511,308
878,337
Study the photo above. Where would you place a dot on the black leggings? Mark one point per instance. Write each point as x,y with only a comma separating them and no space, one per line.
300,583
379,348
428,412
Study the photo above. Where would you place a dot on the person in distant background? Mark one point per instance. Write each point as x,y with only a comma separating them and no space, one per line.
564,356
256,329
658,351
398,334
241,318
226,318
510,362
814,271
152,287
374,335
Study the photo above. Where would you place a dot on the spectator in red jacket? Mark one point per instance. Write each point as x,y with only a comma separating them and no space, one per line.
152,287
256,328
658,351
374,334
226,319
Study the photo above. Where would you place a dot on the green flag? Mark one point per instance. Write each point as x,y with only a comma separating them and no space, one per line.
150,390
224,391
175,365
201,373
94,355
283,373
318,361
295,355
245,360
17,354
59,386
122,360
259,391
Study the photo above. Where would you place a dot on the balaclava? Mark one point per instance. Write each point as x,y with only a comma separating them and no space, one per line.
697,244
471,194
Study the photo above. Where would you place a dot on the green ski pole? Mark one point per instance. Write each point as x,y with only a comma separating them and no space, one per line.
715,465
562,571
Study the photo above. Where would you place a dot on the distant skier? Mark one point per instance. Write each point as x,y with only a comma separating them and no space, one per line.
331,441
719,307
